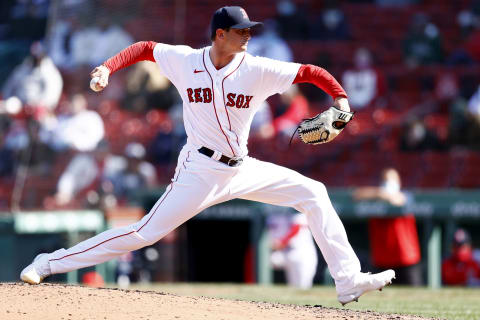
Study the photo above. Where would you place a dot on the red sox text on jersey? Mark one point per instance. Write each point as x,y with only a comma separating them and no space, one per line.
205,95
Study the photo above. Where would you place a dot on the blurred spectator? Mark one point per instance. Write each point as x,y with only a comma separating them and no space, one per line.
135,173
81,41
460,268
36,82
83,173
110,39
458,126
28,20
91,45
469,18
469,22
331,24
446,90
77,127
293,107
60,41
363,84
293,248
125,268
99,178
25,141
393,240
416,137
473,120
146,88
262,125
64,26
167,142
460,121
472,44
446,98
269,44
422,43
291,21
170,138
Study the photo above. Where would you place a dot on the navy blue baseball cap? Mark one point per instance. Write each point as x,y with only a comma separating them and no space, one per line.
231,17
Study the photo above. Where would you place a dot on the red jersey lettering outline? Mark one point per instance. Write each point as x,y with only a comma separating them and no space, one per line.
240,99
198,97
230,98
205,95
190,95
247,101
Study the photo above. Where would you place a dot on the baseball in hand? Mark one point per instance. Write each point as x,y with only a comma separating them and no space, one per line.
93,84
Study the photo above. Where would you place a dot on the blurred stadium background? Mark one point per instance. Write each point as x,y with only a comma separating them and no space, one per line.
417,115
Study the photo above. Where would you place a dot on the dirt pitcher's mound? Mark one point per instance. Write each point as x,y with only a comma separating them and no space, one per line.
56,301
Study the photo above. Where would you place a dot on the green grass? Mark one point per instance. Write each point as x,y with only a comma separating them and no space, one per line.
451,303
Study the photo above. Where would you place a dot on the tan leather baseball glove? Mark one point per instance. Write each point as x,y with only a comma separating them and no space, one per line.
325,126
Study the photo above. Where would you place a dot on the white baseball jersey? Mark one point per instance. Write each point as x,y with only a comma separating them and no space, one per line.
218,108
219,105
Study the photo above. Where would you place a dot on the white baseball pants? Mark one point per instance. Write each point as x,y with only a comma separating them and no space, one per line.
200,182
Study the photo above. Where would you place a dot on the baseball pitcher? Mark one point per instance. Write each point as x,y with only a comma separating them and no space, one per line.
222,86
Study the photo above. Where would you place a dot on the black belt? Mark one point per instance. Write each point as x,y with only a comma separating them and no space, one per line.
232,162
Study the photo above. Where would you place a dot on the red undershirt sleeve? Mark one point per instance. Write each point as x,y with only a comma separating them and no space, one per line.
321,78
137,52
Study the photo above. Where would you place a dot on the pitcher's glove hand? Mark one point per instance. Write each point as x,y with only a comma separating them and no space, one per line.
324,127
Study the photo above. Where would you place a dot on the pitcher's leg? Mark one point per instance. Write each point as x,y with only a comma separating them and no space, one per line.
111,243
330,235
281,186
181,201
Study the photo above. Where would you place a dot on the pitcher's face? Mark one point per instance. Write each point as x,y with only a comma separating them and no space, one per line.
236,40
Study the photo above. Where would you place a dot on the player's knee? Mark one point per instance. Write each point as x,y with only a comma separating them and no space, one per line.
320,188
317,189
313,193
150,238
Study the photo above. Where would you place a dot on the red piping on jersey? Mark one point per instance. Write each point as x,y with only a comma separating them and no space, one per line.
214,107
188,156
128,233
224,104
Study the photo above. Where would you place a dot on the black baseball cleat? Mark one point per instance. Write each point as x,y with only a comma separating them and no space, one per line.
365,282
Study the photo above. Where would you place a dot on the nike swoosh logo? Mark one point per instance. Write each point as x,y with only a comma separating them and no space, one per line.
197,71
